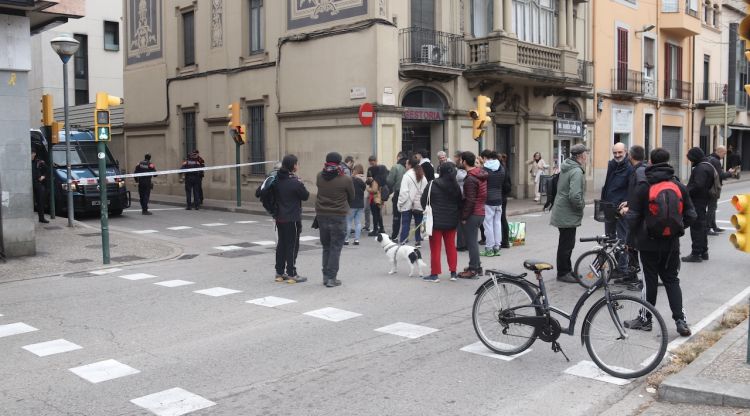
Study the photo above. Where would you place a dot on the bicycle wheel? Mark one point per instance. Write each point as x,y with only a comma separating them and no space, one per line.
592,265
637,353
492,305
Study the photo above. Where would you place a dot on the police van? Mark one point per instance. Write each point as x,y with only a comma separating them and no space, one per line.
84,172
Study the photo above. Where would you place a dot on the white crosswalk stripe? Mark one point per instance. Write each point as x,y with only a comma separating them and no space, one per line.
144,231
180,228
103,371
228,248
15,329
264,243
214,224
271,301
332,314
57,346
172,402
217,291
138,276
245,222
588,369
481,349
174,283
403,329
106,271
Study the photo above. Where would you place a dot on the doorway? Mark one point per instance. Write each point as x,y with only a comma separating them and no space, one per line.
560,152
504,144
415,136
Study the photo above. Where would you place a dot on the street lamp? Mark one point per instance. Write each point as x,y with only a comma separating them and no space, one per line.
66,46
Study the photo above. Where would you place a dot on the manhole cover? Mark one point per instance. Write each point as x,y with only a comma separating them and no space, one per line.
187,256
236,254
79,261
124,259
99,246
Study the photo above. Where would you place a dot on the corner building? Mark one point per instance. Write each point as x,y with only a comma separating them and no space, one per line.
301,70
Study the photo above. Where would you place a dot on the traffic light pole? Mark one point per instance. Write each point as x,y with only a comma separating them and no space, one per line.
69,175
237,174
50,177
101,150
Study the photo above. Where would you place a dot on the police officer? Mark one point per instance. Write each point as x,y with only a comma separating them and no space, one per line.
192,181
200,178
144,182
38,169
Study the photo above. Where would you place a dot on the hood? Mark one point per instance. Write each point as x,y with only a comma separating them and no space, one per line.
424,160
570,164
696,155
492,164
331,170
659,172
480,174
283,174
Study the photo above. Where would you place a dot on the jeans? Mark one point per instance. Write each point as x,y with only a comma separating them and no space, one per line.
377,218
493,230
619,229
698,229
396,217
713,204
406,217
144,193
332,234
664,265
191,192
354,222
470,235
565,245
449,237
288,247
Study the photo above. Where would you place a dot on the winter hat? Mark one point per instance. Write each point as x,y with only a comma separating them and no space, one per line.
695,154
577,149
333,157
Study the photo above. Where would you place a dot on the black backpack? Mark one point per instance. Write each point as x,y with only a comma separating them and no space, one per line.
266,192
385,192
551,191
714,191
663,220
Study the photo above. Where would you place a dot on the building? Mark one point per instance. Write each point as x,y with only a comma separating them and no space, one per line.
643,54
97,66
735,69
301,69
19,19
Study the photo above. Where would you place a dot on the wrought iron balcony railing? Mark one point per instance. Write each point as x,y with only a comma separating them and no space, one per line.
430,47
678,90
627,81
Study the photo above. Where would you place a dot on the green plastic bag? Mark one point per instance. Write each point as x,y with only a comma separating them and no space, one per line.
517,233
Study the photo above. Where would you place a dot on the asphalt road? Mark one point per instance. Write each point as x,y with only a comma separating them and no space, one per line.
241,358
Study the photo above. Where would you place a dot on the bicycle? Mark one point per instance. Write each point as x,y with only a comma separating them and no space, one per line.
510,313
601,261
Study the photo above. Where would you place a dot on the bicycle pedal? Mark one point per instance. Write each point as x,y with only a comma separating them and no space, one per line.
557,348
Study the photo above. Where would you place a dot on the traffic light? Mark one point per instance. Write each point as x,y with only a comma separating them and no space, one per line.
48,115
55,132
236,128
741,222
480,117
102,125
744,32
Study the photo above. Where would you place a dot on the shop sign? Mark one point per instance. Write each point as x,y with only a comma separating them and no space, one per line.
569,128
425,114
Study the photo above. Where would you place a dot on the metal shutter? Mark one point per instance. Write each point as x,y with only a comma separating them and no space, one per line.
671,138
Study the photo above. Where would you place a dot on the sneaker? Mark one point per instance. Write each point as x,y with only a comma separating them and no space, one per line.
692,258
487,253
433,278
356,242
567,278
704,256
718,230
44,221
146,213
366,229
711,232
461,249
418,245
454,276
682,328
280,278
333,283
372,234
296,279
482,242
346,242
394,237
189,208
496,252
638,324
469,274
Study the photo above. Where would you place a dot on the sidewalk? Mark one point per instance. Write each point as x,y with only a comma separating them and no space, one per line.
63,250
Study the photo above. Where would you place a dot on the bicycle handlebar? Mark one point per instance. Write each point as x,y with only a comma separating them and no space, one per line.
599,239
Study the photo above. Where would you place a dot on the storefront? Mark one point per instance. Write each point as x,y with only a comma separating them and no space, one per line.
423,125
569,130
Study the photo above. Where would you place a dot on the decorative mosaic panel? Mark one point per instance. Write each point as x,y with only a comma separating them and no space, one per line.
144,30
302,13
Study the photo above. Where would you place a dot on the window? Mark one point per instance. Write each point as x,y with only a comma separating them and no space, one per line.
423,14
692,8
188,38
188,130
81,70
737,72
481,17
649,57
706,71
257,138
717,14
111,36
707,14
673,72
622,59
534,21
256,26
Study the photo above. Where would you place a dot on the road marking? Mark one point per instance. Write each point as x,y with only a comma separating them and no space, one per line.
15,329
587,369
172,402
106,271
270,301
138,276
214,224
180,228
145,232
156,209
332,314
264,243
228,248
217,291
309,238
532,215
103,371
724,222
245,222
174,283
403,329
57,346
710,318
479,348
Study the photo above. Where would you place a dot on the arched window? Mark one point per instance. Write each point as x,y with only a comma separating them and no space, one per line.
567,111
534,21
707,12
424,97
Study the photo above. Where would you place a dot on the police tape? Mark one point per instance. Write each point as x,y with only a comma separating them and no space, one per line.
112,178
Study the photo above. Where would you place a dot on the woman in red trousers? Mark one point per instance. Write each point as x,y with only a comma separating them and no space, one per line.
444,195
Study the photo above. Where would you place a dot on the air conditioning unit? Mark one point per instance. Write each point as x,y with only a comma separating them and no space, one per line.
430,54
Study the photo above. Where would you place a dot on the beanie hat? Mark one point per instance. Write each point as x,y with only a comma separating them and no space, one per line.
695,154
333,157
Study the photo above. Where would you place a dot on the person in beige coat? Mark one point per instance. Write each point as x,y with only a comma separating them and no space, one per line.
538,168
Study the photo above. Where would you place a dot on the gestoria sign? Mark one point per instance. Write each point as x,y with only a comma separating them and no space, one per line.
425,114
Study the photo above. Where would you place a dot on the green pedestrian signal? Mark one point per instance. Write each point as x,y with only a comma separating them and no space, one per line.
102,134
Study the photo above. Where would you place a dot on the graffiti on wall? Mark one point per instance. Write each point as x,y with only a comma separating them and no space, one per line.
304,13
143,30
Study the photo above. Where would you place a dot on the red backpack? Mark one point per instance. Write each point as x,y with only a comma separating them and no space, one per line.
664,217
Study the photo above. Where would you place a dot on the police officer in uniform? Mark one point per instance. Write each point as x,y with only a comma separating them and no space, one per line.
192,181
38,170
200,179
144,182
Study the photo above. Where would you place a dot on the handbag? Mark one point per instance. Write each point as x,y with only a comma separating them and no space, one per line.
427,220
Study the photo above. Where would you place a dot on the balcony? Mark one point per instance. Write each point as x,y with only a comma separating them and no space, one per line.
677,91
627,83
507,59
709,93
679,18
430,55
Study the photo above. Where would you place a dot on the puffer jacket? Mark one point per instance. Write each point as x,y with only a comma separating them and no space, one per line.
475,193
569,202
495,180
410,194
445,199
615,189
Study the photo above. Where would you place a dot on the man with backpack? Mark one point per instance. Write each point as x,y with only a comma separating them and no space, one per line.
703,185
289,193
657,213
716,158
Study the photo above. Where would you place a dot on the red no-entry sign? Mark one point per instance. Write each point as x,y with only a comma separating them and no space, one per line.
366,114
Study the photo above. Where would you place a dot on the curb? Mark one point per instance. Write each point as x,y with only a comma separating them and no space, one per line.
688,387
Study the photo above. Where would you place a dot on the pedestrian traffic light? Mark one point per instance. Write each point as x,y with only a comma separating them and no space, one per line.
741,222
236,128
48,115
480,117
744,32
102,123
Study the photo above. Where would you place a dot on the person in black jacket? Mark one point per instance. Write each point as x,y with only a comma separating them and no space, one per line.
444,196
660,257
615,192
423,157
38,176
716,158
144,182
193,191
701,180
507,186
637,156
290,192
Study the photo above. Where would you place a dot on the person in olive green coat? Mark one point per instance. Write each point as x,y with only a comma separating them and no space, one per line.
567,212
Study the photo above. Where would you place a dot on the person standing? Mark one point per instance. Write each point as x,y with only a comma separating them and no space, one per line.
507,187
567,211
442,158
472,213
354,220
444,195
335,195
700,182
493,206
144,182
395,176
460,178
202,164
716,158
290,192
637,156
38,177
410,201
734,160
615,193
375,199
192,181
423,158
660,255
372,162
348,165
538,168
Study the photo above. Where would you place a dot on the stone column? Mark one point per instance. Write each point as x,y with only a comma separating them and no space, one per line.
508,17
497,16
571,25
562,27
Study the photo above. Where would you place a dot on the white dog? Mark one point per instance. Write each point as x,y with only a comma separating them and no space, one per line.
396,252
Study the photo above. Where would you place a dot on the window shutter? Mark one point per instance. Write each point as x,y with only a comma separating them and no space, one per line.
622,58
667,67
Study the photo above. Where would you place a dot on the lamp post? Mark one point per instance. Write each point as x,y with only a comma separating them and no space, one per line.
66,46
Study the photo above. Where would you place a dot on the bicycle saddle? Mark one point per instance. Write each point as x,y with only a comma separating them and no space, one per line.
537,265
